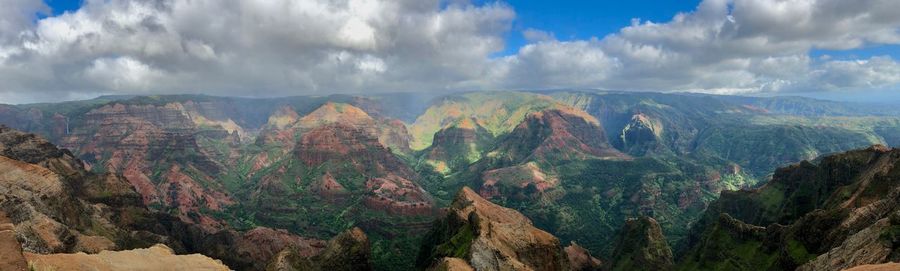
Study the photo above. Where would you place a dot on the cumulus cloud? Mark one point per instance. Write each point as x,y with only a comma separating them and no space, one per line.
554,64
873,73
285,47
535,35
250,48
17,15
745,46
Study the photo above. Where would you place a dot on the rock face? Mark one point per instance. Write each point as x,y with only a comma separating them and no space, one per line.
157,257
641,245
348,251
527,178
839,213
156,148
489,237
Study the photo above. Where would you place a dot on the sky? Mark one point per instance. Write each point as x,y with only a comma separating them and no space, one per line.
55,50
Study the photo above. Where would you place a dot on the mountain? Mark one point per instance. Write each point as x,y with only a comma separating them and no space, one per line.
838,213
330,169
338,160
555,135
457,145
497,112
723,129
524,161
285,124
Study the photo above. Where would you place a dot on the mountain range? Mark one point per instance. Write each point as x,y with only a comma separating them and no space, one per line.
478,180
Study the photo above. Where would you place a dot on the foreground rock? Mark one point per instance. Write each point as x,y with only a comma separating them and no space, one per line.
876,267
11,257
580,259
841,212
347,251
158,257
487,236
451,264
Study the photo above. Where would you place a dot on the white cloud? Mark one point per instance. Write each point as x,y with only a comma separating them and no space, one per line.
873,73
745,45
554,64
289,47
535,35
17,15
271,47
122,73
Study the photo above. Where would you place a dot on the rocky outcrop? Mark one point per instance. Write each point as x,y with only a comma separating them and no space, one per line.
526,179
839,213
451,264
490,237
641,245
157,257
348,251
864,247
395,195
640,135
580,259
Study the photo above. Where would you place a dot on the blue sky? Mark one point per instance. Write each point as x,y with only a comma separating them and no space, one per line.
582,20
570,20
60,6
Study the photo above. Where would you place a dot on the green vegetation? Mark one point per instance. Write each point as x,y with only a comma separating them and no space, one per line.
684,150
498,112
